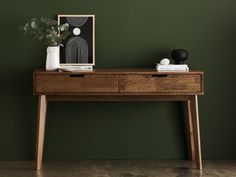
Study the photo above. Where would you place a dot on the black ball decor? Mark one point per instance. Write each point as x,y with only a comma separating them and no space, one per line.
179,55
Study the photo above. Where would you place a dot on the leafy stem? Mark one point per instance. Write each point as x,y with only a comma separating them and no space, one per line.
47,30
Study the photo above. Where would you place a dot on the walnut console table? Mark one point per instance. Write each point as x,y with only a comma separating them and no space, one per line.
120,85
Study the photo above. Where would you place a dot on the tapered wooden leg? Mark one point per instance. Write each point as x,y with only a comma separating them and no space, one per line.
42,108
190,132
196,131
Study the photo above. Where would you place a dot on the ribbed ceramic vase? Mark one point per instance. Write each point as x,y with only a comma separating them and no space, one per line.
53,58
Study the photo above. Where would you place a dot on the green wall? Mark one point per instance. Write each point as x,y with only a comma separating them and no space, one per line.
129,33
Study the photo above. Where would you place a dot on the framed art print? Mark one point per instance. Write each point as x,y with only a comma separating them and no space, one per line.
79,47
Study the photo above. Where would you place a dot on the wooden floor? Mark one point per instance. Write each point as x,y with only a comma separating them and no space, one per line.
117,168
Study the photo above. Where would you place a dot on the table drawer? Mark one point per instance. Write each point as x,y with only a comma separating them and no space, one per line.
162,83
73,83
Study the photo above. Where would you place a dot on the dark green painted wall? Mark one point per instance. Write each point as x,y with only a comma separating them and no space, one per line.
129,33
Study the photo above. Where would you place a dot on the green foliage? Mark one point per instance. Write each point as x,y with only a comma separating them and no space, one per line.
47,30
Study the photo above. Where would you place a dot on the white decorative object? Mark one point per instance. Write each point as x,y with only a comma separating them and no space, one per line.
76,68
53,59
165,61
172,67
76,31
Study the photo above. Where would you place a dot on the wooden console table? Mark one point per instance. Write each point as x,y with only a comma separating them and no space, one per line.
120,85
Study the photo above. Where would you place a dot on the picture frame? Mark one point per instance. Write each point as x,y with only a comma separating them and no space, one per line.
79,47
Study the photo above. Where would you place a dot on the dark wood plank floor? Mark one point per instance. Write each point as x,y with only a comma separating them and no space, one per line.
117,168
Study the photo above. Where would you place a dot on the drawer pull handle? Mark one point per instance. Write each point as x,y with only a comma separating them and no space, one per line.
159,75
76,75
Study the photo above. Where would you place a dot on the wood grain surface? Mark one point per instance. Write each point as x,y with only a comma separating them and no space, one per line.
71,83
171,83
121,85
120,81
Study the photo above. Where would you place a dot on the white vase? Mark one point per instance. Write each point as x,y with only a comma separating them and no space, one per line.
53,58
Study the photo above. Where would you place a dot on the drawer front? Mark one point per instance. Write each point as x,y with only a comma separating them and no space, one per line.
75,83
170,83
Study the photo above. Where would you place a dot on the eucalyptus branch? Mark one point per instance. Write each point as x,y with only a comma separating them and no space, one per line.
47,30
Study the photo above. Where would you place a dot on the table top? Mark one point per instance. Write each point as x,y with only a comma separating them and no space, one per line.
119,71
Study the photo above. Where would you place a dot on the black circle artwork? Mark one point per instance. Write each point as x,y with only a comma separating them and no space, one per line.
78,47
179,55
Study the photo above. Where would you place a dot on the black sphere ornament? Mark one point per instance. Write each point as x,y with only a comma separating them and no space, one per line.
179,55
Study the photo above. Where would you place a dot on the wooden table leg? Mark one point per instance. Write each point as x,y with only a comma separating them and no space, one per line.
42,108
190,132
196,131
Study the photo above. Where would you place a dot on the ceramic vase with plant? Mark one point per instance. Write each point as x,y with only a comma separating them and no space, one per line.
52,34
